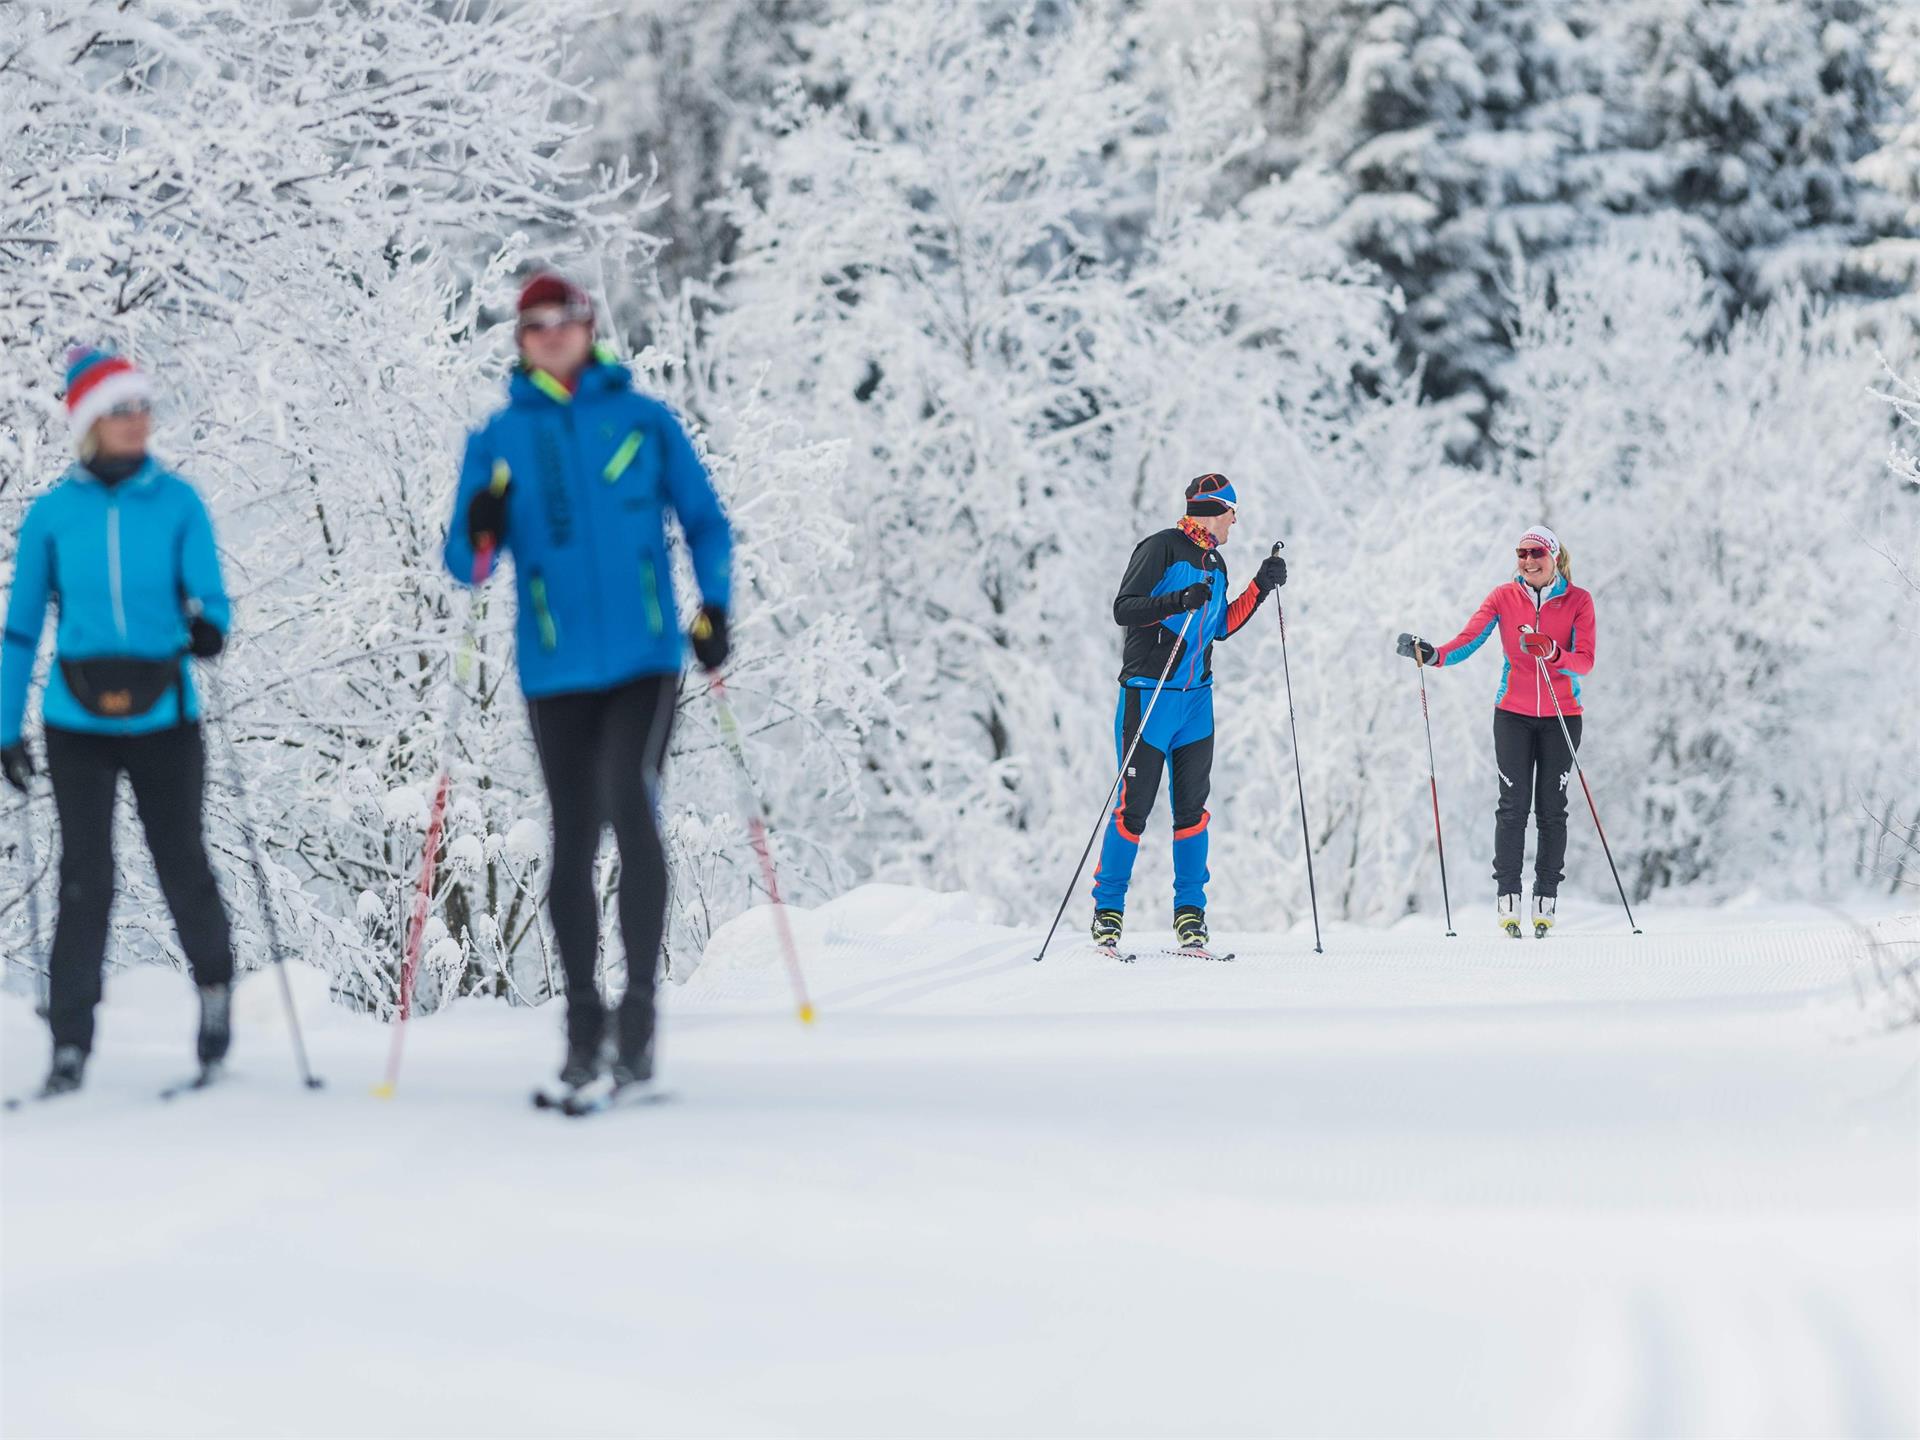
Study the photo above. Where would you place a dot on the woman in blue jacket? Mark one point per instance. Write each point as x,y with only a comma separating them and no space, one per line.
126,548
575,478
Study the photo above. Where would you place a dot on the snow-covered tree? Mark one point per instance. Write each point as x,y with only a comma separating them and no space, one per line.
1477,134
277,208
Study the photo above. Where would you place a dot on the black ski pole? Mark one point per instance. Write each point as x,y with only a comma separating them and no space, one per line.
1113,789
1300,785
1565,735
43,975
1433,784
307,1077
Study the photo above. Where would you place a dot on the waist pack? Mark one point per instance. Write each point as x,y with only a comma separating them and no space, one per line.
118,688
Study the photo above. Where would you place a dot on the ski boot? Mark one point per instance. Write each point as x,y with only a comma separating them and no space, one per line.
583,1064
63,1076
632,1052
629,1078
1106,928
1542,915
216,1024
1190,928
1507,908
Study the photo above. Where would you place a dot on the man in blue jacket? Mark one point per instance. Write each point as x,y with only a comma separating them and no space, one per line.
575,478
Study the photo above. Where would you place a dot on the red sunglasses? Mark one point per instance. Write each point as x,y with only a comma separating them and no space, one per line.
1532,552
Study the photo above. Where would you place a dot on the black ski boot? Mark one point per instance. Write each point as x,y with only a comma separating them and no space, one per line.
633,1054
1106,928
1190,927
63,1076
216,1024
582,1065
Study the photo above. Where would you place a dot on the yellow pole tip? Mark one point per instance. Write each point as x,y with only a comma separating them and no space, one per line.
383,1091
806,1014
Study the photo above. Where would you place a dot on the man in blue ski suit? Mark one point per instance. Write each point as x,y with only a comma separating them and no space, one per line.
1175,586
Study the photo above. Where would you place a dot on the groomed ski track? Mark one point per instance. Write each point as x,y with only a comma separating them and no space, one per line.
1588,1185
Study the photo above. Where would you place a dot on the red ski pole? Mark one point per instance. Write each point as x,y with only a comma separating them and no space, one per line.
1433,784
1606,849
437,815
757,832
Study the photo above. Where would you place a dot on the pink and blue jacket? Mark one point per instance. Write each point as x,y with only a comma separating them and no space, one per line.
1564,612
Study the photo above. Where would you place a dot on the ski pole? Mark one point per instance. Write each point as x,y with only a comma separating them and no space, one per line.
757,830
437,813
1114,789
1300,785
43,976
1565,735
1433,785
238,785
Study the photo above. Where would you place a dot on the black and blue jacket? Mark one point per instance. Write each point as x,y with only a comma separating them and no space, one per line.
1163,564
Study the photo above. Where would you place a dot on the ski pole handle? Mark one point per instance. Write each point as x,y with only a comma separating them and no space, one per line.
483,553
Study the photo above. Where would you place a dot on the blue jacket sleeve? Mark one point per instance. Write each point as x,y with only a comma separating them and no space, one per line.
709,536
200,566
26,615
476,469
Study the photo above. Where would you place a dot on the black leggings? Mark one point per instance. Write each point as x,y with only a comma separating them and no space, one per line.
1535,770
168,772
601,753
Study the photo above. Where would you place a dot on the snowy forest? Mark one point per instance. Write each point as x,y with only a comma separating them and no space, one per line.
956,298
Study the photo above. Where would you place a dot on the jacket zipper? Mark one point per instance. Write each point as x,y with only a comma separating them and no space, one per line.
113,568
585,493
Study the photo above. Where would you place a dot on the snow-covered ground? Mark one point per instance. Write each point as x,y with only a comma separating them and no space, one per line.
1599,1185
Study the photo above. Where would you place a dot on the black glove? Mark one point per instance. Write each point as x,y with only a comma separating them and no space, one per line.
487,518
1271,575
204,640
709,636
1415,649
16,763
1194,597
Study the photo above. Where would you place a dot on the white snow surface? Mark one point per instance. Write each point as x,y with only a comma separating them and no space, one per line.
1598,1185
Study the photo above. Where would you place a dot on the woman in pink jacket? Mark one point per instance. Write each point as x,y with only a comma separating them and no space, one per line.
1541,616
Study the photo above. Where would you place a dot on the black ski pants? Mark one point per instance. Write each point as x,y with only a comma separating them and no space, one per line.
167,770
601,752
1535,770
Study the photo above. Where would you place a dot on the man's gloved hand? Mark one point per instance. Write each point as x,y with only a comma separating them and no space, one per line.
16,763
1271,575
1415,649
204,640
487,518
709,636
1194,597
